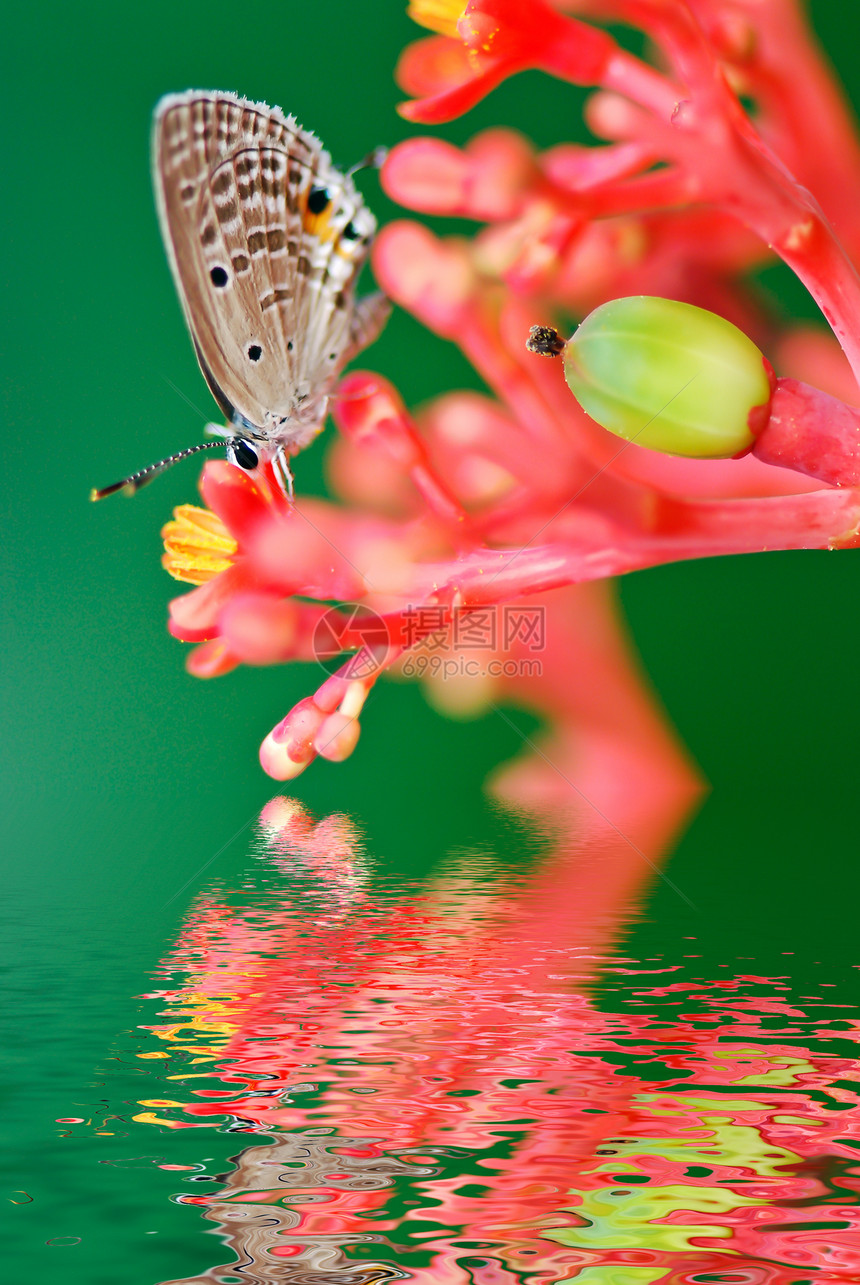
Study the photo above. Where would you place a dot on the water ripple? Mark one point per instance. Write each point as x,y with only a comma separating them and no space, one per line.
429,1090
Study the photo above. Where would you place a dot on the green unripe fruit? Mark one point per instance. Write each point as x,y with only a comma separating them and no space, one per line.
666,375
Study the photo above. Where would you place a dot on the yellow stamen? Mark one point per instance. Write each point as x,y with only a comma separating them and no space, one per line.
197,545
438,15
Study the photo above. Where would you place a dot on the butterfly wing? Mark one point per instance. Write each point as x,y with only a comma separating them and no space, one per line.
265,239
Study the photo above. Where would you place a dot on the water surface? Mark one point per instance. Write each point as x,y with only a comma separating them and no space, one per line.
349,1076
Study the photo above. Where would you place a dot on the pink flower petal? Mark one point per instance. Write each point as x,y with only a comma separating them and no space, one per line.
450,104
194,615
288,749
488,180
309,551
368,479
232,494
261,629
432,278
431,65
427,174
212,659
502,169
337,737
370,412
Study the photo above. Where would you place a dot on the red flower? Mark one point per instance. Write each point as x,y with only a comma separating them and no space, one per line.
485,41
490,503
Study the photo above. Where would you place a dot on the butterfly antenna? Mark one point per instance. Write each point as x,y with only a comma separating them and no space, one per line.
132,484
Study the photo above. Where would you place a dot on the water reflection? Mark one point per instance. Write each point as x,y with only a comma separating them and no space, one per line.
422,1086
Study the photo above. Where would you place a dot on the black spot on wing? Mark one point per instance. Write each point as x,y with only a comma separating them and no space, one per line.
318,200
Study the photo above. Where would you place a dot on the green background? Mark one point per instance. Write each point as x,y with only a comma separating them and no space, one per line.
123,777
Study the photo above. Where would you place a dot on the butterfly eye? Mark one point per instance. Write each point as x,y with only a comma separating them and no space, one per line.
246,456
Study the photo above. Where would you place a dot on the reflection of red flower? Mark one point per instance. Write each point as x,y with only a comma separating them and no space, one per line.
414,1043
492,500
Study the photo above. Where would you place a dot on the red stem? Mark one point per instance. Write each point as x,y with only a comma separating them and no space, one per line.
678,530
813,433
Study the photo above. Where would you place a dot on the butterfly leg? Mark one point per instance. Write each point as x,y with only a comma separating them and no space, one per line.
283,472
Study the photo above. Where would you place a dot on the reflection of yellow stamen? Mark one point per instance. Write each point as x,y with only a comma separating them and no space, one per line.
438,15
197,545
149,1117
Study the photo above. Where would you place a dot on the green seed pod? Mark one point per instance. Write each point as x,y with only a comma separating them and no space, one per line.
669,376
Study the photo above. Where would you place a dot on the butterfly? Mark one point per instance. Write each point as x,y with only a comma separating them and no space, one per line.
266,240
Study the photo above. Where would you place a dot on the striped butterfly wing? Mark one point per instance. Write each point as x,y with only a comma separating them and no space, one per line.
265,239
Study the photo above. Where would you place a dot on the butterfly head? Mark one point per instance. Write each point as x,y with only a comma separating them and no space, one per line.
265,461
245,454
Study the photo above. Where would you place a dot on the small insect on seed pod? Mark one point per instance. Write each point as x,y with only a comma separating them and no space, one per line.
666,375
